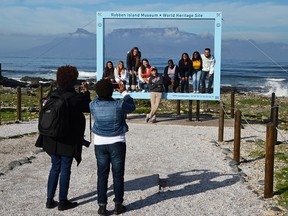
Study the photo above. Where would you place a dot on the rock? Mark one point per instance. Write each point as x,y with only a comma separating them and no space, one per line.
6,82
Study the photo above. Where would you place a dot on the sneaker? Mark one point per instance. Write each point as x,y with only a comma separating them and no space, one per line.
102,210
194,92
65,205
119,208
147,118
143,90
51,203
197,91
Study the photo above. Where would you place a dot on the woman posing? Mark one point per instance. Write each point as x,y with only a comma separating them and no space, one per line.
109,71
144,74
120,73
196,70
171,76
185,66
133,63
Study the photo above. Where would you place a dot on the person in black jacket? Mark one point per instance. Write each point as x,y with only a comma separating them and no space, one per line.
62,151
133,62
185,66
156,89
171,76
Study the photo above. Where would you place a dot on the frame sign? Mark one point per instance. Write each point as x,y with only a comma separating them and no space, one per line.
103,16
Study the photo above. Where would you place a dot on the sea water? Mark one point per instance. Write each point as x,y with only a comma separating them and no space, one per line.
262,77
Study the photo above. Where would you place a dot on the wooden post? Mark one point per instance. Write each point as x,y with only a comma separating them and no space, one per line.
272,104
40,97
190,110
221,123
198,110
19,118
269,160
178,107
237,136
232,104
275,120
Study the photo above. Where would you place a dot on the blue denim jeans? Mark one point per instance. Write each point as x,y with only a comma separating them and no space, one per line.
110,154
61,165
196,80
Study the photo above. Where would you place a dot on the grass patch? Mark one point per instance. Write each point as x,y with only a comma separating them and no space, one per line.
257,154
281,179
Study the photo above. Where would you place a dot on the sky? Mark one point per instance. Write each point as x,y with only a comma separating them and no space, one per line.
30,22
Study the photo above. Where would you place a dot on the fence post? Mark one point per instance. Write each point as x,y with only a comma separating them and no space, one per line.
237,136
198,110
272,104
178,107
232,104
274,119
269,160
190,110
19,118
221,123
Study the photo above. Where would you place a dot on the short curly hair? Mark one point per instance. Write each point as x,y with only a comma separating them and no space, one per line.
67,76
104,88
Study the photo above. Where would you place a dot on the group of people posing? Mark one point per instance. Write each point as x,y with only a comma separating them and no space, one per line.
136,74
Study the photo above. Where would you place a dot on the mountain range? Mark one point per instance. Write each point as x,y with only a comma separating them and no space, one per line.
155,42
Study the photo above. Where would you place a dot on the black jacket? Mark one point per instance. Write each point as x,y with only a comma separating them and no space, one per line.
156,83
71,145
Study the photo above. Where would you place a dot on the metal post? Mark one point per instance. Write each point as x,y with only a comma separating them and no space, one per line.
19,118
221,123
269,160
237,136
232,104
190,110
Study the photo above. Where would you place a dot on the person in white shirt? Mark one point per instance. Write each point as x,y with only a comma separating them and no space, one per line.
208,63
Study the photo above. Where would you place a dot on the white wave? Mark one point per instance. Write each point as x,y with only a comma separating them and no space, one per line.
279,89
275,80
86,74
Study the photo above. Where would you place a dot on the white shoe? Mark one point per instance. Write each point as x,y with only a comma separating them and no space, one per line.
194,92
147,118
143,90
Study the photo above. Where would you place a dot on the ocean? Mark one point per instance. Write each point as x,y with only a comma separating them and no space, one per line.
259,77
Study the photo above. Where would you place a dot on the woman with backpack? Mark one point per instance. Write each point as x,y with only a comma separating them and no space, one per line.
63,147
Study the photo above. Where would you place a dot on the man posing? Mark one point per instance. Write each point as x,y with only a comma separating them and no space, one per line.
208,62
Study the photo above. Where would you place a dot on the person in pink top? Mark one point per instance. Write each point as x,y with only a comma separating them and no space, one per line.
144,74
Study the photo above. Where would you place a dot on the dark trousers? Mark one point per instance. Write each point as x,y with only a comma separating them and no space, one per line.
203,82
61,165
110,154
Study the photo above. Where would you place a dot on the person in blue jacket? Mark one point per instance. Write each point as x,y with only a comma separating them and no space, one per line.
109,130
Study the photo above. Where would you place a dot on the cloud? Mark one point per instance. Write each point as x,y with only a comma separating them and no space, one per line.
261,21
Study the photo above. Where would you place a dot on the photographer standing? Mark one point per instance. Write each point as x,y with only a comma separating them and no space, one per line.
63,149
109,130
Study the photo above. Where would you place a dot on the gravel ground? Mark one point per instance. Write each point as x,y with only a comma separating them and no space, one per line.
170,170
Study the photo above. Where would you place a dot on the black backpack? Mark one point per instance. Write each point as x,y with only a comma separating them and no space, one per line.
54,118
